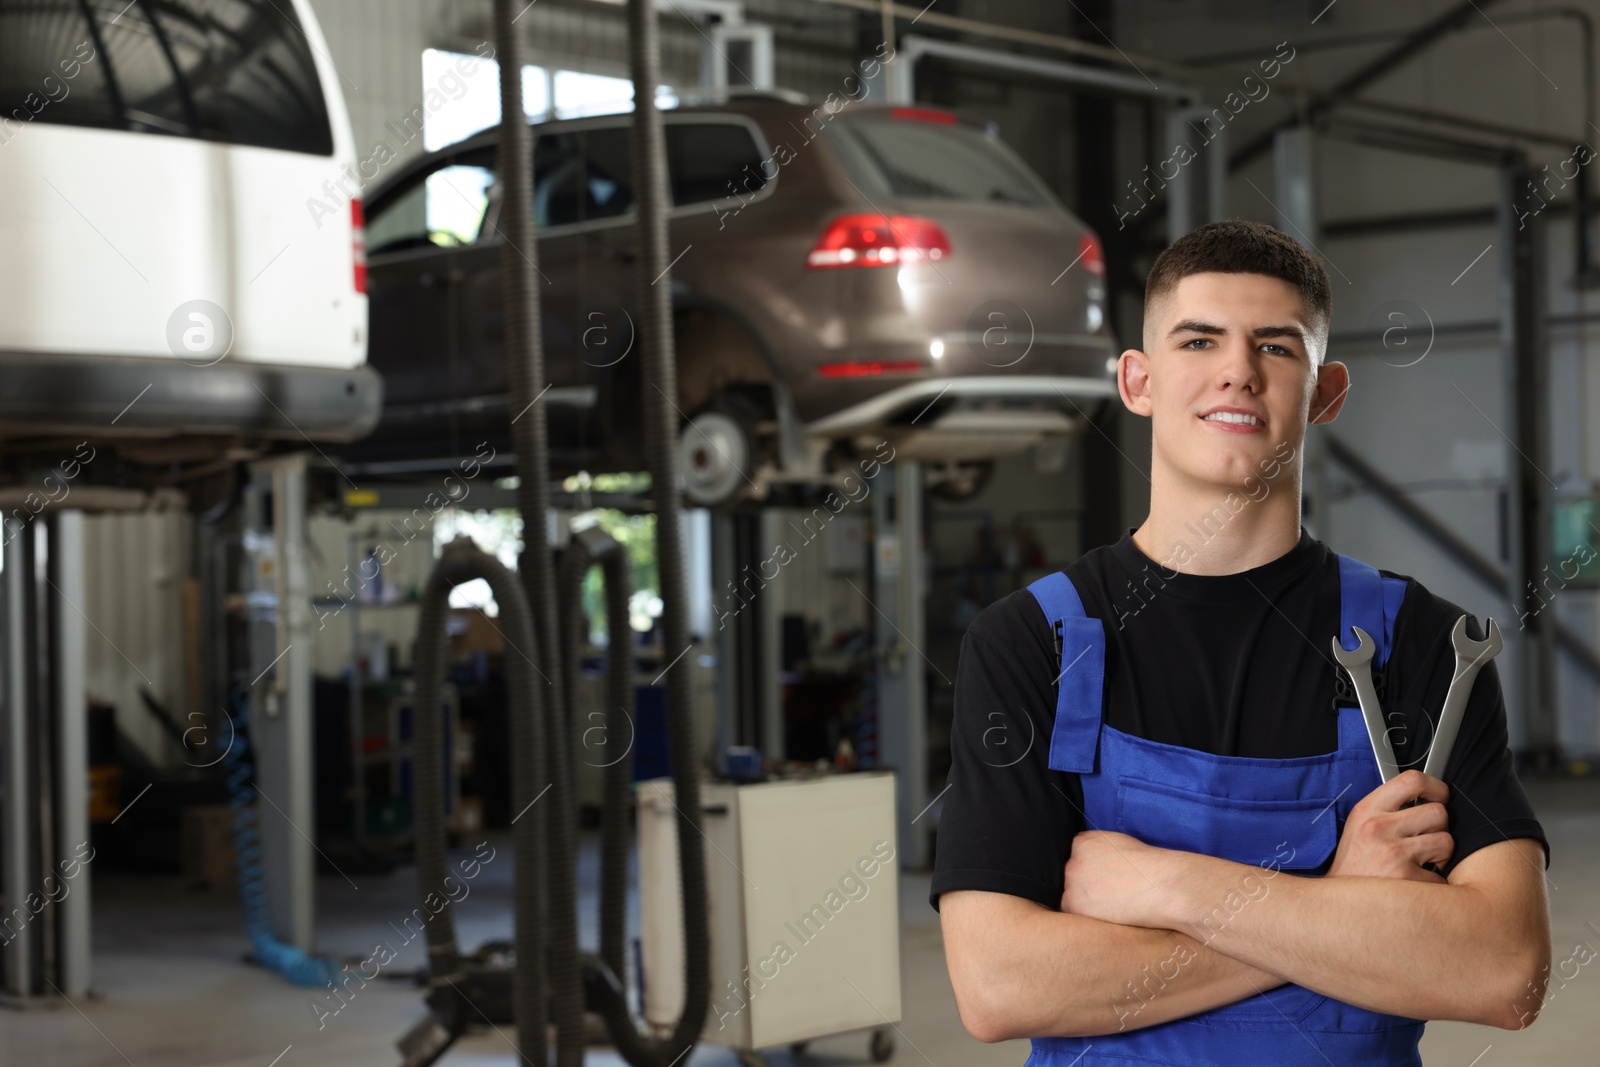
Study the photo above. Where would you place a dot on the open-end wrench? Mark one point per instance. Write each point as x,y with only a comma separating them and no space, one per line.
1358,662
1470,657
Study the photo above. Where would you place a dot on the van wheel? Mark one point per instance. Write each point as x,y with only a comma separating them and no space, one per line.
717,452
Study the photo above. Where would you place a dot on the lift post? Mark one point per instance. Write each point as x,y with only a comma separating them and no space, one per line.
745,625
278,599
44,785
900,634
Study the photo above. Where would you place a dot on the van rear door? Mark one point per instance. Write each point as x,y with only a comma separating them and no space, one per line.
165,161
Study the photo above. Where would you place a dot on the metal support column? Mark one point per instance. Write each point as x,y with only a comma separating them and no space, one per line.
19,953
44,782
1527,386
280,695
900,619
724,630
1296,194
1294,159
745,624
1197,191
769,605
72,746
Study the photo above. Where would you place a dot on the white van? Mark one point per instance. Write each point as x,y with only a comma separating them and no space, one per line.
181,239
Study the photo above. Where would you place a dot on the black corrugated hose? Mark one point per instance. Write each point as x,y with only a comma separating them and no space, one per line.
539,739
461,562
614,750
661,423
525,370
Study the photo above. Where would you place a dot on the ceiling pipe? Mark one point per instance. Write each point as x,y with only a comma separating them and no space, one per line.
1186,73
902,74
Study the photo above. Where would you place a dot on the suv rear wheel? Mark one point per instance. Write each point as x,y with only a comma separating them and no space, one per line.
961,481
718,451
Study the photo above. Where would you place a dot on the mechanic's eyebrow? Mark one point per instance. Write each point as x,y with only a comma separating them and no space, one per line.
1279,331
1197,326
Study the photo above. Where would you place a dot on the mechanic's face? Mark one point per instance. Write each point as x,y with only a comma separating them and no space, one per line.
1230,375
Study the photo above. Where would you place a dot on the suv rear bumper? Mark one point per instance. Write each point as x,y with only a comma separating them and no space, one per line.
108,395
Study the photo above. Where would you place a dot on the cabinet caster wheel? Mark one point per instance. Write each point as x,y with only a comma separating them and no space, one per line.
751,1058
882,1044
798,1048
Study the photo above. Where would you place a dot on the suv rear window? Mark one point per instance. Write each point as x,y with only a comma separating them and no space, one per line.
235,71
918,159
712,161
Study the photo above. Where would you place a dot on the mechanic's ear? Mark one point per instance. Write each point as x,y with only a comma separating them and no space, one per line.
1133,381
1333,385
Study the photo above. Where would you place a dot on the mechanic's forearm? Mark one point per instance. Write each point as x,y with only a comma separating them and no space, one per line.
1131,980
1417,949
1042,973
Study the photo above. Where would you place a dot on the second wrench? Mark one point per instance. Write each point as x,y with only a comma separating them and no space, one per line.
1470,657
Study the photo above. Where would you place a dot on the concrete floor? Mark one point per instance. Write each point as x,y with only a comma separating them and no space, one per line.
170,990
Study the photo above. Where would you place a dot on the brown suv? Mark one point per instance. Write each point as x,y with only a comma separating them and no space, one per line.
878,273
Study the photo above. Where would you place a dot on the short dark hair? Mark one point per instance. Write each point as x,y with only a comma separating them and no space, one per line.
1240,246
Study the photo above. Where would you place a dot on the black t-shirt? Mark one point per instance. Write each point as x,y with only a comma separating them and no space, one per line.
1234,665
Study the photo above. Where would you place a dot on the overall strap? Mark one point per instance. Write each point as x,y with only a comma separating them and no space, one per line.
1081,642
1370,601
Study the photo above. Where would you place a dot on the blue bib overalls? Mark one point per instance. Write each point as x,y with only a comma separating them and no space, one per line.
1279,814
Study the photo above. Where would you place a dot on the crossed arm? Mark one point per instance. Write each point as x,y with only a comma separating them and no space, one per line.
1379,931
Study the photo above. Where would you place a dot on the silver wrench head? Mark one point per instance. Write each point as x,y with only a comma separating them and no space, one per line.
1359,656
1470,657
1470,651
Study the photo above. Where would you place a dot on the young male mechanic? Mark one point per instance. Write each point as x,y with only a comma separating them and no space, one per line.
1166,839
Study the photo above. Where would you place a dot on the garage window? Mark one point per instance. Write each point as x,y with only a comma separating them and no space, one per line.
234,71
463,95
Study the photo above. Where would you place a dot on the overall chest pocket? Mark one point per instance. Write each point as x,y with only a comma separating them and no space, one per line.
1288,834
1292,834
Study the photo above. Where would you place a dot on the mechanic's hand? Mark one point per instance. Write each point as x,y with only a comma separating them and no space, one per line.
1112,877
1383,838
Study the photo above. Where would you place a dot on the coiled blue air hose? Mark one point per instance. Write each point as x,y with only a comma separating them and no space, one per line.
297,966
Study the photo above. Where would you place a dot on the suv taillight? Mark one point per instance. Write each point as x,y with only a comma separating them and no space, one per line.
1094,261
878,241
358,244
924,114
